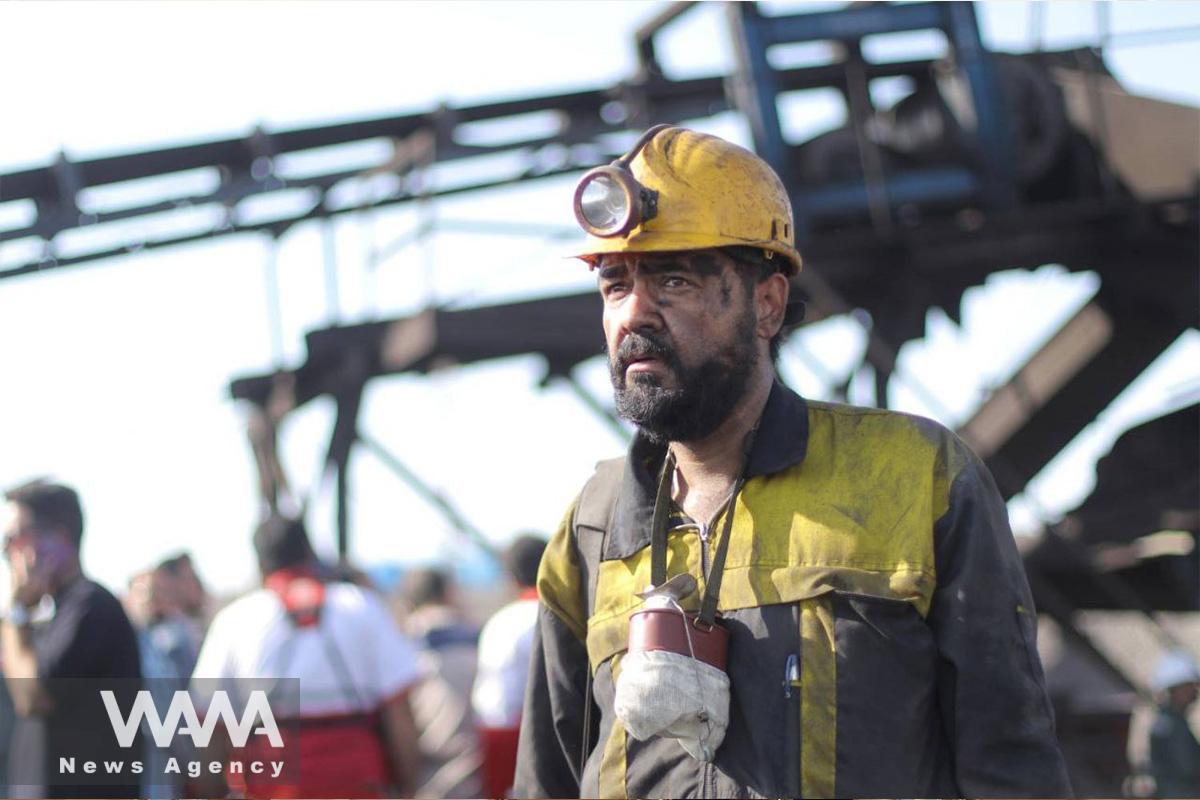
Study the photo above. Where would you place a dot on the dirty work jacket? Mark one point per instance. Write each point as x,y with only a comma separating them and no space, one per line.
873,546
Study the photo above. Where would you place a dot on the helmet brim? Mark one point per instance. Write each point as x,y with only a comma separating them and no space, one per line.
659,242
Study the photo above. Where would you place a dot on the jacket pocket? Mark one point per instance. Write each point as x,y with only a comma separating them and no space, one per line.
889,732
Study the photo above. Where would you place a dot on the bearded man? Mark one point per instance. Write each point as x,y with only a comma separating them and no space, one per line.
767,596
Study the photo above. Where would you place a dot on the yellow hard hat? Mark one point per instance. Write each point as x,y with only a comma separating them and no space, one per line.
678,189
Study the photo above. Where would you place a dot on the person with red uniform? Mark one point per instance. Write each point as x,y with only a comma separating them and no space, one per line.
505,644
351,726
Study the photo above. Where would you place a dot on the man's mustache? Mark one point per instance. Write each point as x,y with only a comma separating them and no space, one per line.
639,345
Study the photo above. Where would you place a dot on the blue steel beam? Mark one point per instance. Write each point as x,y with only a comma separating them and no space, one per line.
754,84
854,22
756,88
991,118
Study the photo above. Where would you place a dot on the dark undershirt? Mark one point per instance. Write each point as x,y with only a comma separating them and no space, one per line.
88,638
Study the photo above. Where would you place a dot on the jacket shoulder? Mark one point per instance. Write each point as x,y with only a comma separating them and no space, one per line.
847,425
599,494
884,417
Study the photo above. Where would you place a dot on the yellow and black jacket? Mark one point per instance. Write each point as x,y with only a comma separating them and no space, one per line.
870,545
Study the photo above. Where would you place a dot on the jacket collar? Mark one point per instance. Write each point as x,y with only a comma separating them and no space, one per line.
782,442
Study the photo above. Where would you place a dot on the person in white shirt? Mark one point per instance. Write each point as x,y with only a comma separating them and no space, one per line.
505,644
356,736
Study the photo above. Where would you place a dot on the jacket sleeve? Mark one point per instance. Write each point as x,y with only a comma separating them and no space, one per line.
548,753
991,688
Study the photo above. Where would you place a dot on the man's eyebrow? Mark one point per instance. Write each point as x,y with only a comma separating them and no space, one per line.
698,264
608,273
661,265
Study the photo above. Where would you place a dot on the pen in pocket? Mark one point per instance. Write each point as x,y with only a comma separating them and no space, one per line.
791,675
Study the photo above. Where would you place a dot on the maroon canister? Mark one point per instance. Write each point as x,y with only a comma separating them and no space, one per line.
662,628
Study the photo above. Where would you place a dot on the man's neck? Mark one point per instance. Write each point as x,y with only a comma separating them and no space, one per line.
69,574
715,461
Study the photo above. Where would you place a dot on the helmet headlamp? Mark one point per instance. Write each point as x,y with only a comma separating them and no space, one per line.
609,201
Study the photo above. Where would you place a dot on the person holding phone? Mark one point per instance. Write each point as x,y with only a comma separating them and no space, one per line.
65,638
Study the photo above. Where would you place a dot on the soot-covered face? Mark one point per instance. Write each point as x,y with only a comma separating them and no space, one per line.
682,340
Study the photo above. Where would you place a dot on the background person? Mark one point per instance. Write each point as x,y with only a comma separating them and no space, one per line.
61,626
355,732
505,644
1174,751
166,635
441,703
168,648
190,597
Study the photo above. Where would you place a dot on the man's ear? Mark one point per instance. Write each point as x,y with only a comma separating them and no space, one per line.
770,299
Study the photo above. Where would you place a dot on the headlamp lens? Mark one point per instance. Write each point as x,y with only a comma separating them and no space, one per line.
604,203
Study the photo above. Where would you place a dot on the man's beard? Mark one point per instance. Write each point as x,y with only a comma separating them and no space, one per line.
705,396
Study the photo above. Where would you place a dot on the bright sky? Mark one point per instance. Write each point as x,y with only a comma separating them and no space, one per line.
117,373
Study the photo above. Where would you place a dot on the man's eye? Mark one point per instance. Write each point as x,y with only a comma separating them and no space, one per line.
674,282
611,289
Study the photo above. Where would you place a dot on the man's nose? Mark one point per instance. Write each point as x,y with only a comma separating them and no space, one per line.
641,309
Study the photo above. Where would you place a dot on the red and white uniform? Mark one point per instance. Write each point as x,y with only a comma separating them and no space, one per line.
505,646
350,660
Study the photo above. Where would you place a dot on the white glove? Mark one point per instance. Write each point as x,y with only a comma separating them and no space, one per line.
660,693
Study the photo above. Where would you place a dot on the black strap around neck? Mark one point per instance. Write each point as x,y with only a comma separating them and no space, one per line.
658,532
712,588
658,525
